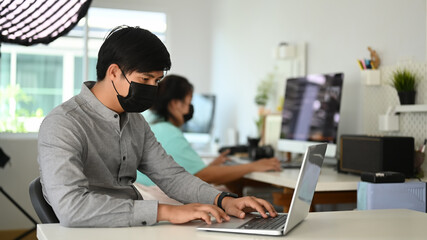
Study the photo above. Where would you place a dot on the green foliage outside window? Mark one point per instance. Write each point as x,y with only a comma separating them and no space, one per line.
11,120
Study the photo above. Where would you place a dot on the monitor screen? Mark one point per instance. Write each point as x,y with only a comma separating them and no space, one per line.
311,110
204,110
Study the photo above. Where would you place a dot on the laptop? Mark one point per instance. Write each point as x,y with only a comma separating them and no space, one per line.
300,205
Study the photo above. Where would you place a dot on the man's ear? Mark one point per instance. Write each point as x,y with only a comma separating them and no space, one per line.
113,72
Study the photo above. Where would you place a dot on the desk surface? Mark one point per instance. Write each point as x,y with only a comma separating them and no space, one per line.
372,224
329,180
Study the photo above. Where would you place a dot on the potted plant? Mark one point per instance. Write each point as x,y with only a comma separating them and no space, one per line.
263,93
404,81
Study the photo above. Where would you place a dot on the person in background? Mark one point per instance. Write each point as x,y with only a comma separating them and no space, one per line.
171,110
91,146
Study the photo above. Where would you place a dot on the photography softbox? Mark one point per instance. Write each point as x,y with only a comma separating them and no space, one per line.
28,22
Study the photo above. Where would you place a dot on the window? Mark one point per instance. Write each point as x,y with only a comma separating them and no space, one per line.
40,78
34,80
78,72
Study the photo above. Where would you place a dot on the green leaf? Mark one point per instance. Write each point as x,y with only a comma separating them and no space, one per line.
404,80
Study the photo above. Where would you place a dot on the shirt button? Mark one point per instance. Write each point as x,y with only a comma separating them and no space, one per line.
144,223
124,158
116,115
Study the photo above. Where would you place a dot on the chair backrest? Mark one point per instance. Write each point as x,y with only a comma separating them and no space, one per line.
43,209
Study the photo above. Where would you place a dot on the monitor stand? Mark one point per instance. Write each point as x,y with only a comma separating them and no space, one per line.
330,161
294,160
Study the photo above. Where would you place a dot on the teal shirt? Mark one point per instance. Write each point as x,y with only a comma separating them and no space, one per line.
173,141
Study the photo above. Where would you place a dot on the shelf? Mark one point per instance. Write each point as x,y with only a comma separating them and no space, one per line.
390,120
410,108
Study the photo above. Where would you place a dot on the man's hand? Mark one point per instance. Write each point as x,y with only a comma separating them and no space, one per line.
194,211
238,207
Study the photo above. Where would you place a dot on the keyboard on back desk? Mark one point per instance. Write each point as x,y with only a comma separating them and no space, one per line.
265,223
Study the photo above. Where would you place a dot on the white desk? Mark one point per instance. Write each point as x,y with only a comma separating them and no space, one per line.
373,224
332,187
329,180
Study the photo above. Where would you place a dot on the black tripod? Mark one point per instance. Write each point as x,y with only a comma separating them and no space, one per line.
23,211
3,160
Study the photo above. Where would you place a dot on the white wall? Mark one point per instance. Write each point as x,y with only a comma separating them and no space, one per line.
337,32
224,47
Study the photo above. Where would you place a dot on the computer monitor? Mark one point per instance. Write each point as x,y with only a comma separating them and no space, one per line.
198,130
311,112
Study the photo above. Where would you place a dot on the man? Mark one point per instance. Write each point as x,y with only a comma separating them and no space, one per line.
91,146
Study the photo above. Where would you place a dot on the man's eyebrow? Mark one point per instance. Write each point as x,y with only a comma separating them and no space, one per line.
148,75
151,75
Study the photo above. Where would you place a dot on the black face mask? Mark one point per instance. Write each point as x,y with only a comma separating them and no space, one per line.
189,115
140,97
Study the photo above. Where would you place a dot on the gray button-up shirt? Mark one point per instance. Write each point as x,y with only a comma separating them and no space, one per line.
88,157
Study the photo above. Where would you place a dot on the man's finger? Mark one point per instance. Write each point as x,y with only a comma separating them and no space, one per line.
267,206
215,213
256,205
205,217
234,211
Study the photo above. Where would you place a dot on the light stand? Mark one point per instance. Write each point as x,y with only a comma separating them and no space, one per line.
3,160
23,211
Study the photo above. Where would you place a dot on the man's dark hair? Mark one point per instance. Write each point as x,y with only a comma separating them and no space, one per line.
170,88
133,49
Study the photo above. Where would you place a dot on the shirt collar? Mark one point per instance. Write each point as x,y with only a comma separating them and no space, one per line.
95,104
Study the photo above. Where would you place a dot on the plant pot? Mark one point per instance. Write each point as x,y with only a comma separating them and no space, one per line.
407,97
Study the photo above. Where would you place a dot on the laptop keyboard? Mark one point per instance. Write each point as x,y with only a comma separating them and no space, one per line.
265,223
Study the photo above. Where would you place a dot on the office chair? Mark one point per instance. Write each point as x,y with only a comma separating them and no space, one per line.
43,209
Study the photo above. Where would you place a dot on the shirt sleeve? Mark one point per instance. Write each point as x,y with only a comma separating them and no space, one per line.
172,178
61,148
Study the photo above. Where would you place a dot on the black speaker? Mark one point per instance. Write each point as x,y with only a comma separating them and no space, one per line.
361,153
